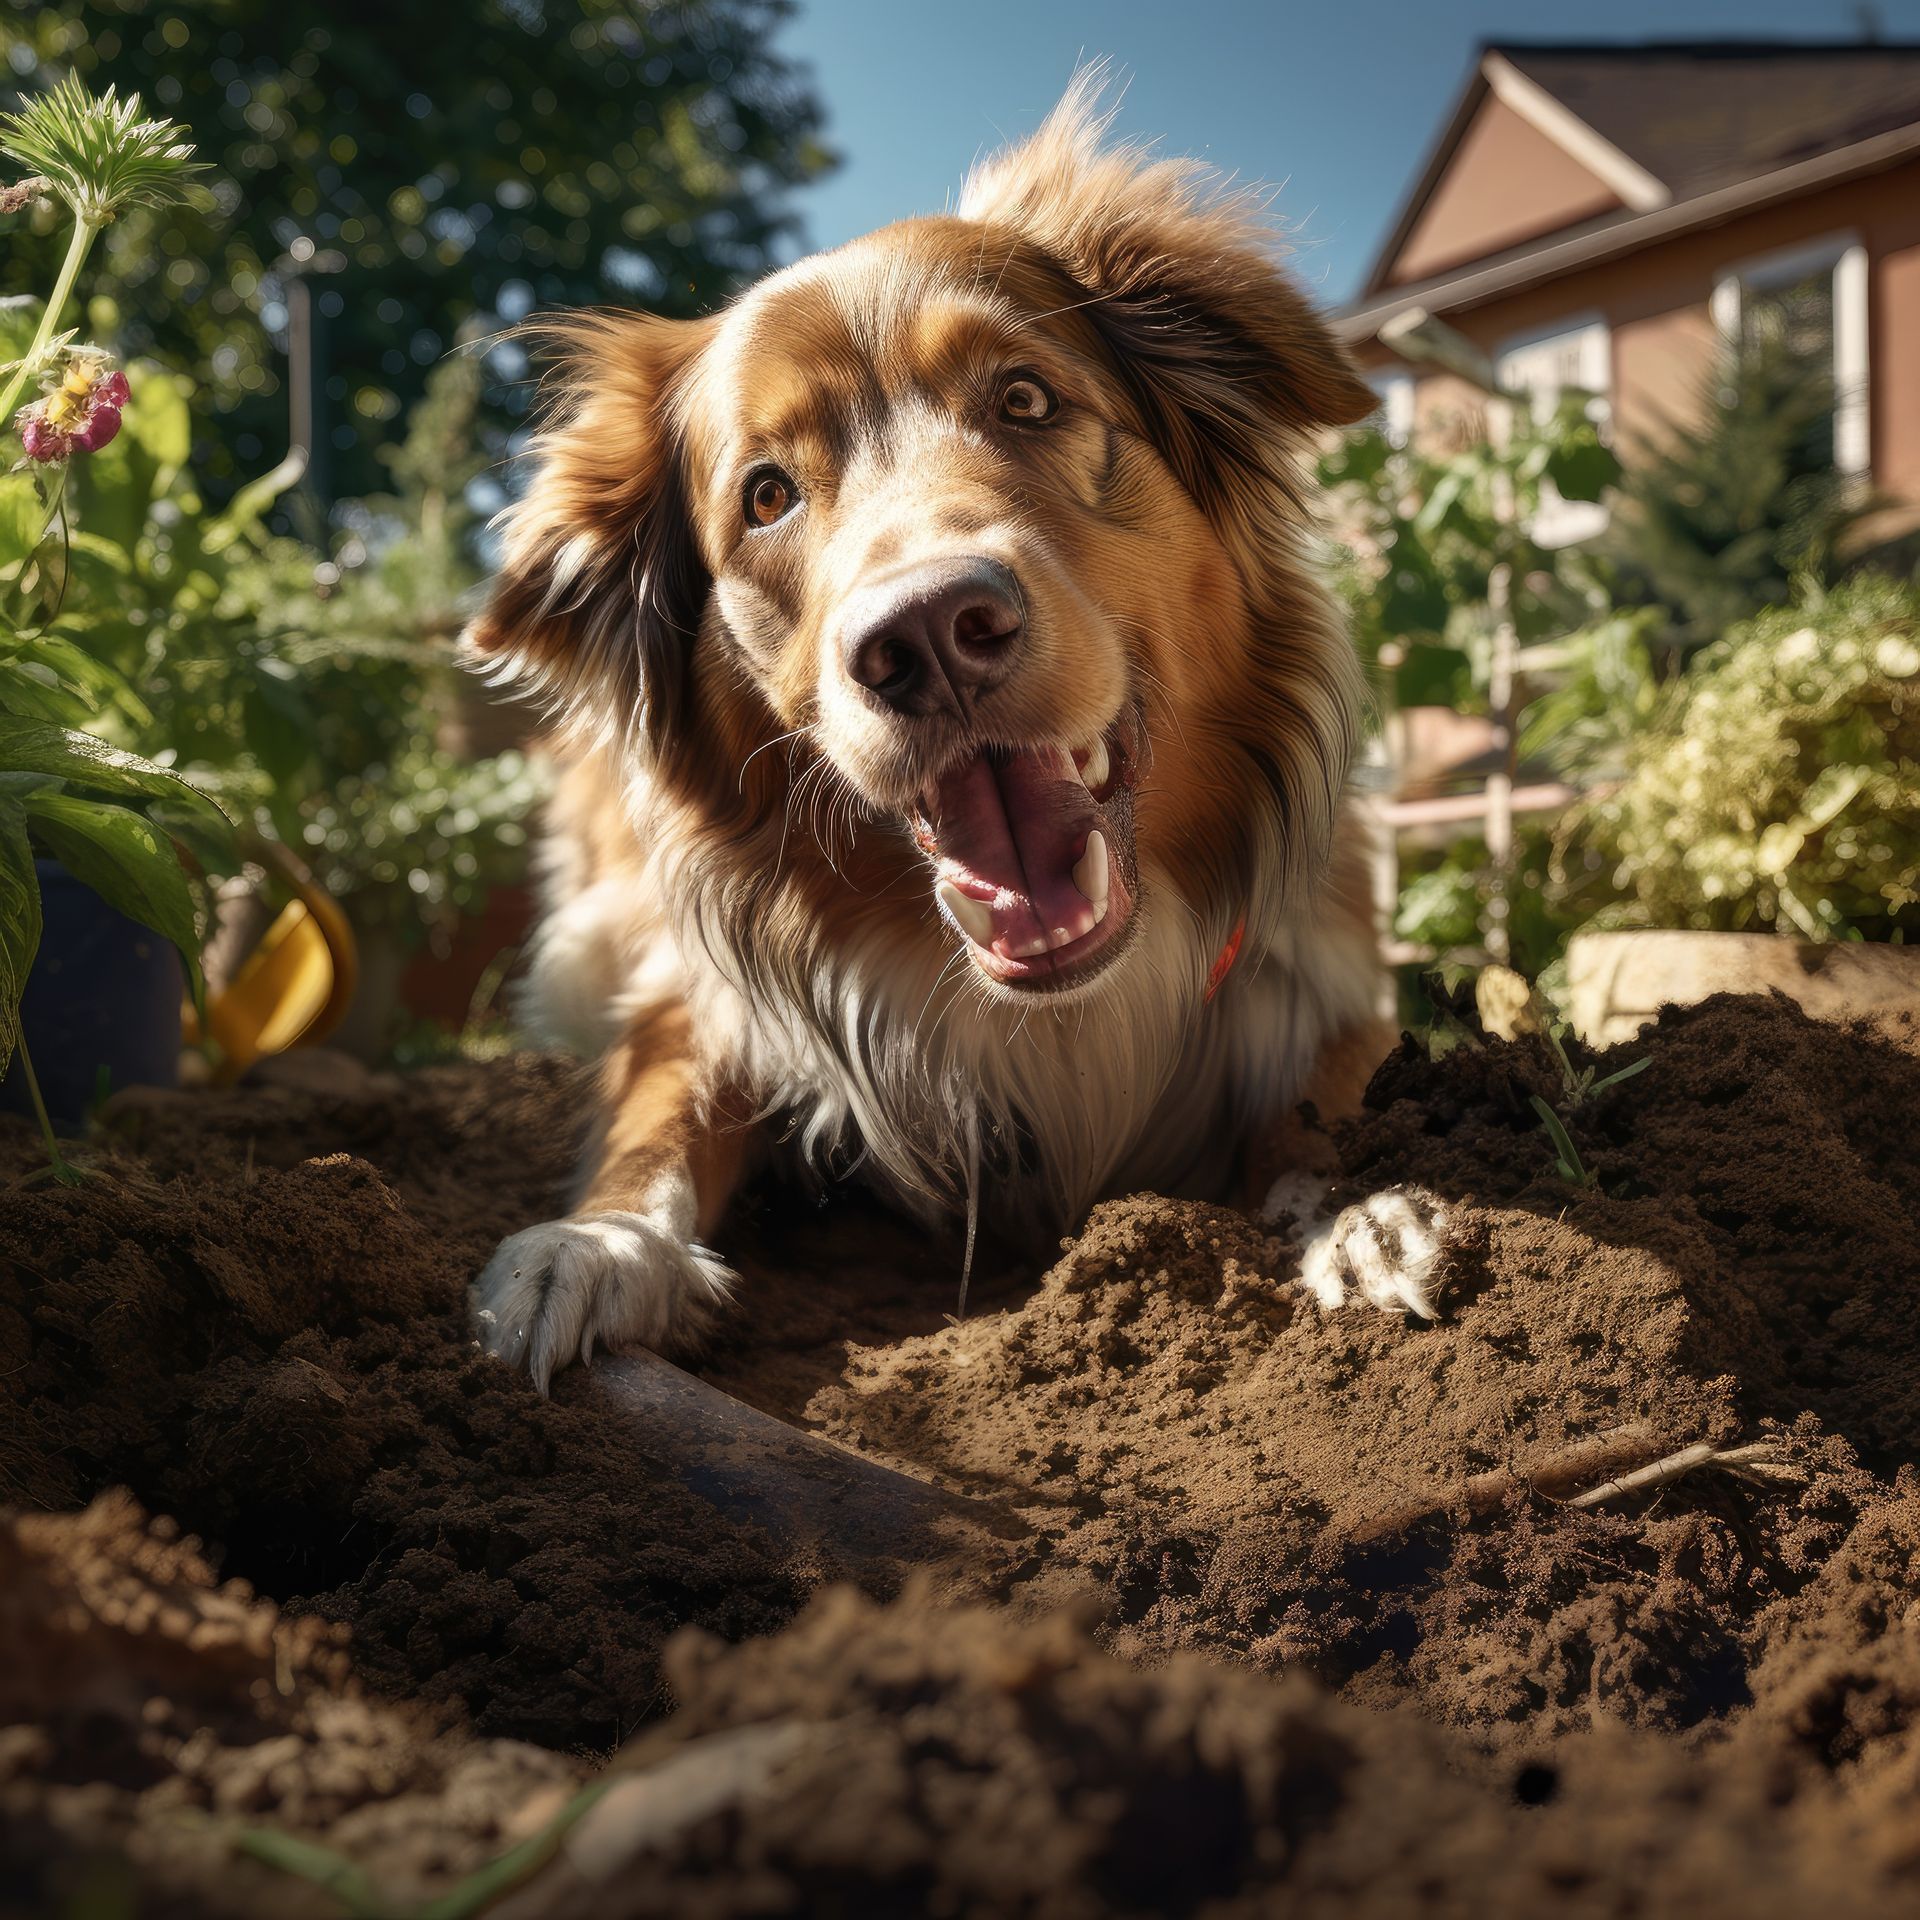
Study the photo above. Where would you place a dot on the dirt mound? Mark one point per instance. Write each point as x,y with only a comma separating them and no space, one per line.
272,1349
1708,1689
1242,1473
152,1718
913,1760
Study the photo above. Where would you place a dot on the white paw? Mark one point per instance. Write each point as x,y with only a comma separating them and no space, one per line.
555,1292
1386,1248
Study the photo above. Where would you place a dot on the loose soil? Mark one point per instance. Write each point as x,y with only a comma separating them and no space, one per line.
1274,1604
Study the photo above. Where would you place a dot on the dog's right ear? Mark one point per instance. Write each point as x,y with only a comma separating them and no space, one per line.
597,599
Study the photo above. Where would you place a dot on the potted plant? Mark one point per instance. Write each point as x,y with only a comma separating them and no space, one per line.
90,834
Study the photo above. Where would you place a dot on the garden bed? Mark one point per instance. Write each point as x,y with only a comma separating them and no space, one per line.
1269,1600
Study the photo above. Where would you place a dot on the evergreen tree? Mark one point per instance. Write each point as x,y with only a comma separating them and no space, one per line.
1720,517
420,163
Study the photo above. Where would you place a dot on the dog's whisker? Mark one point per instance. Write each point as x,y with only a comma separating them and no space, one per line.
777,740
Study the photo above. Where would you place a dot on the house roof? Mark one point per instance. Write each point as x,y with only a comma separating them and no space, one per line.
1702,115
1672,122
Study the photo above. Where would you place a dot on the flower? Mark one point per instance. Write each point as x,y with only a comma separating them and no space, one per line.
98,154
42,441
79,415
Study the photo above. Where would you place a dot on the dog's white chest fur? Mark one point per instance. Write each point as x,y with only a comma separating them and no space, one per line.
938,1093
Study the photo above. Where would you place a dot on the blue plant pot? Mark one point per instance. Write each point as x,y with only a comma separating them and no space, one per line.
102,1006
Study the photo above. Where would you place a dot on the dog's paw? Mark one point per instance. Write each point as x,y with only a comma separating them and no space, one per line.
1386,1248
555,1292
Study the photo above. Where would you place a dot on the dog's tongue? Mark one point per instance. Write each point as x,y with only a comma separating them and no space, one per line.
1010,830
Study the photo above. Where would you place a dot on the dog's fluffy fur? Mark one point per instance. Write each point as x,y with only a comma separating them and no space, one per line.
738,916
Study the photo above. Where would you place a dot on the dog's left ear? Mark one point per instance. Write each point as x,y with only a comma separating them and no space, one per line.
1231,367
596,603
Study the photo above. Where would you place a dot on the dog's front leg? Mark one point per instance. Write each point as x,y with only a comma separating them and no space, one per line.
628,1267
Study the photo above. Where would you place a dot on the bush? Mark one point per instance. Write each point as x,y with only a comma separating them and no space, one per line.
1777,787
1734,504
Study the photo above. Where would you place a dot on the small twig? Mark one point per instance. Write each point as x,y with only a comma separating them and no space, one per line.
1551,1474
1759,1463
1562,1477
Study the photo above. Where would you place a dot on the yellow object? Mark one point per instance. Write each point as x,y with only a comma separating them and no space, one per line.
294,988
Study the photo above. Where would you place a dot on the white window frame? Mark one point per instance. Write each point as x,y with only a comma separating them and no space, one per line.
1845,255
1398,399
1561,523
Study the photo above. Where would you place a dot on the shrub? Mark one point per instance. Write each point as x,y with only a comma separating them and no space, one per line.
1778,786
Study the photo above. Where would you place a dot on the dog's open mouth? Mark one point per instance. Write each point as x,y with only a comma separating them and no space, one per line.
1033,855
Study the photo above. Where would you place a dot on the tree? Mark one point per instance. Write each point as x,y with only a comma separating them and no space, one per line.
1726,512
421,164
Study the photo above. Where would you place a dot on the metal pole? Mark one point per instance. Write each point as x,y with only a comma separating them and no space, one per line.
307,389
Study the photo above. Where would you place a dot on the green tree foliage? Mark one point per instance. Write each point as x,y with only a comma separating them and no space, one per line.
1726,510
421,163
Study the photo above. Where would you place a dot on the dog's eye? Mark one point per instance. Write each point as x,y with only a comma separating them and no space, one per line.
1026,400
769,495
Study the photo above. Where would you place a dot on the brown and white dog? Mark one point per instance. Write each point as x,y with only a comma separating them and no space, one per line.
957,733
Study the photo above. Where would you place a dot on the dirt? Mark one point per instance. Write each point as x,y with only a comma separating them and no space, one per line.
1276,1601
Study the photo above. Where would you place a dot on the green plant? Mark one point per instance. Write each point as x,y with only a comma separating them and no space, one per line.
1777,787
1443,895
99,156
1567,1162
304,694
1579,1086
1425,531
111,816
1579,1083
1725,511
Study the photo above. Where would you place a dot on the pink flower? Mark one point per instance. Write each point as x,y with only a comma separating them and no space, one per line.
102,424
80,415
42,440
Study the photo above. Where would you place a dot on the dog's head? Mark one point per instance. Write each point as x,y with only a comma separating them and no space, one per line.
989,521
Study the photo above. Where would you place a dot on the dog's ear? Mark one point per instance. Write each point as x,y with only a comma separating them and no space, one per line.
1230,366
597,598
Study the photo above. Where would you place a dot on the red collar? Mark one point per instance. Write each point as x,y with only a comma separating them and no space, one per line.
1228,955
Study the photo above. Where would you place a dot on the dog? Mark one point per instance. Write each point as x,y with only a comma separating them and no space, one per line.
956,731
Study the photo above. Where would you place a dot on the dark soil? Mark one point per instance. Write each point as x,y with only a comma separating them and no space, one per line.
1291,1603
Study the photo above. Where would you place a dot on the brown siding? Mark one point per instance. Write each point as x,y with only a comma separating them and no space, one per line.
1508,183
1659,362
1656,303
1894,341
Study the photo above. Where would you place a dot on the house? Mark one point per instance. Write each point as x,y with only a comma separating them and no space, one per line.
1604,217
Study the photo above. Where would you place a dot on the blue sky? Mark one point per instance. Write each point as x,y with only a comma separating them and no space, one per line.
1334,103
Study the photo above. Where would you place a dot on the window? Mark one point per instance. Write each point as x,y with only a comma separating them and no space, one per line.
1546,367
1395,412
1813,299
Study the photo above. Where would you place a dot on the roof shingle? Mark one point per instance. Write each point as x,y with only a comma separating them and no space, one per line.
1700,115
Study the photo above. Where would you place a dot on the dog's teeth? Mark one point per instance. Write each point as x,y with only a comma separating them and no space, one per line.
973,917
1090,874
1095,772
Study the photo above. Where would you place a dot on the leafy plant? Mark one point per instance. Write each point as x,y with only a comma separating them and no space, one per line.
1567,1162
1732,505
1578,1083
1443,895
1426,529
109,815
1777,787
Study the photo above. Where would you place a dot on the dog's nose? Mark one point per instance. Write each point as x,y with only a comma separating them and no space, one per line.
936,638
